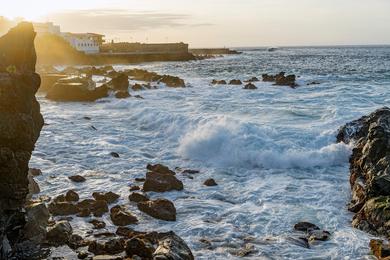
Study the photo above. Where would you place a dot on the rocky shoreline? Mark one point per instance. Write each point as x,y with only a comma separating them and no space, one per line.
370,174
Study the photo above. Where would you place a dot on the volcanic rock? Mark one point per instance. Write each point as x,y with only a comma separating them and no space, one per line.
138,197
77,178
160,209
121,217
210,182
109,197
60,233
172,247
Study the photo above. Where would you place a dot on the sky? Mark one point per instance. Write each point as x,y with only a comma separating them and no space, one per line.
217,23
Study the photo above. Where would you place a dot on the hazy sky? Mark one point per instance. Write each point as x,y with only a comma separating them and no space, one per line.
212,23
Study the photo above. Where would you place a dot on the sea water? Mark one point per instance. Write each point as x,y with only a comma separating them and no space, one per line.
272,151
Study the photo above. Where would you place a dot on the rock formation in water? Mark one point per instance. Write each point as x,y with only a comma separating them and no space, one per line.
370,170
20,125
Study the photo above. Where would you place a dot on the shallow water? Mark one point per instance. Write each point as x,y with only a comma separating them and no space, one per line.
272,150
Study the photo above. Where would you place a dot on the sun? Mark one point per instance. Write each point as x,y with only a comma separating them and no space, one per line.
28,10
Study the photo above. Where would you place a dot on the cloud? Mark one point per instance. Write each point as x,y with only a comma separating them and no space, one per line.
119,20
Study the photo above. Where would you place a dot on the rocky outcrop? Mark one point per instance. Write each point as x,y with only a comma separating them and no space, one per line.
370,170
172,247
160,179
281,79
20,125
76,89
250,86
160,209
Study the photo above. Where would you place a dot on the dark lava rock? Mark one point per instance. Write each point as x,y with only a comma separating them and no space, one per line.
20,126
109,197
190,171
97,224
71,195
172,247
160,209
114,246
138,96
210,182
280,79
305,227
253,79
122,94
60,233
62,208
159,168
380,249
172,81
121,217
218,82
76,90
134,188
77,178
119,82
96,207
140,179
235,82
370,170
139,247
138,197
114,154
250,86
160,182
76,241
34,172
319,235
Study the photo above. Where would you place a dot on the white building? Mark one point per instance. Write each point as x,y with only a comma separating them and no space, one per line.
86,42
43,28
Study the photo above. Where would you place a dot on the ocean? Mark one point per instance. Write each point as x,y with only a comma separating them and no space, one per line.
272,151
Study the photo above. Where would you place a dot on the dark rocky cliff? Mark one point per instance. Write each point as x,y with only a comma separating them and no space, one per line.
20,125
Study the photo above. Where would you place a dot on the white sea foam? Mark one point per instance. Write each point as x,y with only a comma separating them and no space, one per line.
226,142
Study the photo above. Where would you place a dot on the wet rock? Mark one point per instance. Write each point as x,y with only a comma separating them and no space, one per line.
137,87
121,217
60,233
76,241
379,248
172,81
299,241
313,83
34,172
33,187
62,208
71,196
282,80
160,209
109,197
139,247
250,86
119,82
159,168
122,94
138,197
160,182
210,182
218,82
370,170
97,224
140,179
114,154
108,257
253,79
82,255
49,79
318,235
305,227
96,247
247,250
172,247
37,219
190,171
138,96
95,207
114,246
235,82
76,89
77,178
134,188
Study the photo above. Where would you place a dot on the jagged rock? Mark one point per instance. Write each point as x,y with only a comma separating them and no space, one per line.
137,87
172,81
120,217
172,247
218,82
253,79
33,187
71,196
114,154
49,79
235,82
34,172
250,86
76,89
122,94
160,209
119,82
97,224
210,182
305,227
37,219
160,179
138,197
20,126
109,197
380,249
281,80
62,208
60,233
370,170
77,178
139,247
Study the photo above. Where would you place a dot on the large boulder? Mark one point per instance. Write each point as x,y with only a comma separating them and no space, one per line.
172,247
121,217
20,126
160,209
49,79
59,233
159,182
37,219
119,82
76,89
370,170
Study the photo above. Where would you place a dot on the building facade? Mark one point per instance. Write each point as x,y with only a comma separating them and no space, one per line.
86,42
47,28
